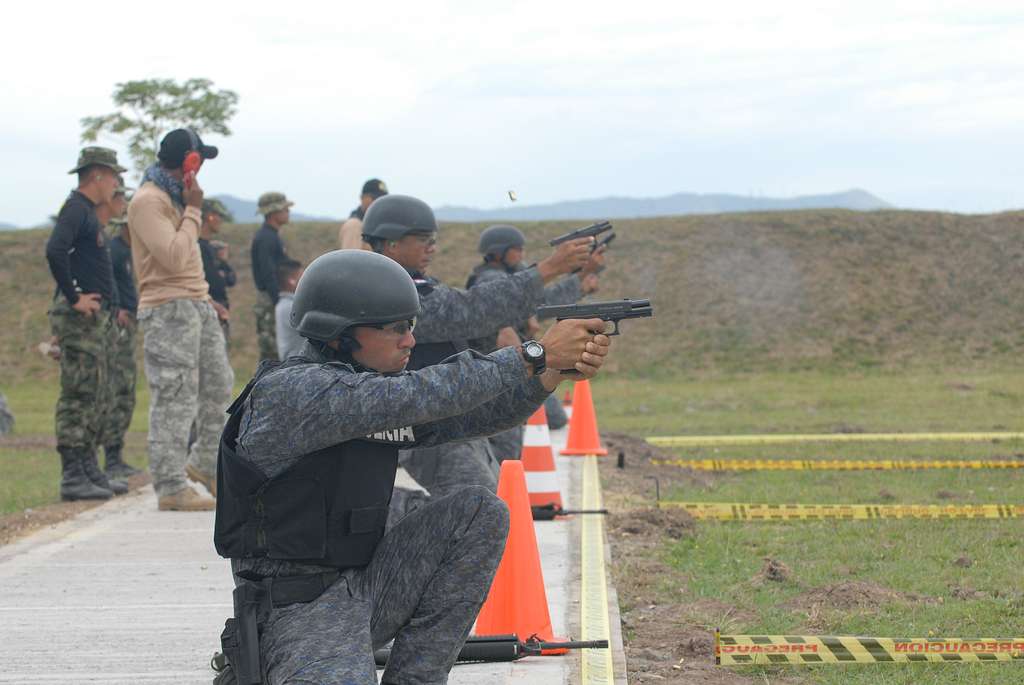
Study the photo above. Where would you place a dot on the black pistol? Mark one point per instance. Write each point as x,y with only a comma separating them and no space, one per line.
613,310
591,231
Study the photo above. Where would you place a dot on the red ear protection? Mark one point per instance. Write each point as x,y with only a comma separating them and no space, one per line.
190,167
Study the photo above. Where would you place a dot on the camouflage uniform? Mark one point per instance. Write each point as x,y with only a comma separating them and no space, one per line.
509,444
266,327
430,573
451,314
6,417
122,375
189,380
121,357
85,343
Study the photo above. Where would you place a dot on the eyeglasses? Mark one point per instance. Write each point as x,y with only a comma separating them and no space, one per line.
399,328
427,240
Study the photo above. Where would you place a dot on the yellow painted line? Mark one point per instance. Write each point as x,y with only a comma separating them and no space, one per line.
734,511
837,464
769,439
745,650
595,664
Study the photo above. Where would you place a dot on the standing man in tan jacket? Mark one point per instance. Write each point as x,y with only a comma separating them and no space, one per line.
185,359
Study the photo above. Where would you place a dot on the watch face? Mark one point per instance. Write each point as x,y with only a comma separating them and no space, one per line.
534,349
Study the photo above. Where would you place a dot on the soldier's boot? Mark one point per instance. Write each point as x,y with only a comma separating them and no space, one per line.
74,483
185,499
92,469
116,467
197,476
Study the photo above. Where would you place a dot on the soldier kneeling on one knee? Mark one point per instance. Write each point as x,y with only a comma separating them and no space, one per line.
305,473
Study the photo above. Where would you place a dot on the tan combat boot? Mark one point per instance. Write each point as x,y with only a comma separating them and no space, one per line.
196,476
185,499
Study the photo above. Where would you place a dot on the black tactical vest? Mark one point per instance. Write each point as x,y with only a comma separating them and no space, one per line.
329,508
428,354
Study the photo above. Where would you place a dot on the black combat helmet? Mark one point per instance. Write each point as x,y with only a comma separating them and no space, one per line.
498,239
395,216
346,288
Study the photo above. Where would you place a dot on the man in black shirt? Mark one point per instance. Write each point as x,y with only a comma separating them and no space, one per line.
217,272
83,319
267,254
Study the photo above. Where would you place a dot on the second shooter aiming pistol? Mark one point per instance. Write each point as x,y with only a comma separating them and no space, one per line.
613,310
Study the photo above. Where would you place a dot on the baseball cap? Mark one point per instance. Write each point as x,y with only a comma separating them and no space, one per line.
375,188
179,143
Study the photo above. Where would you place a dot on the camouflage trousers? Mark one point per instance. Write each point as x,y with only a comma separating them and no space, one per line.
423,588
85,343
507,444
190,380
266,332
122,374
444,470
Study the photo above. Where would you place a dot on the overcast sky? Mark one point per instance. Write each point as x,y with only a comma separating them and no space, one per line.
458,102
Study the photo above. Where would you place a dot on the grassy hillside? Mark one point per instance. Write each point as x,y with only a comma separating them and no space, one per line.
731,292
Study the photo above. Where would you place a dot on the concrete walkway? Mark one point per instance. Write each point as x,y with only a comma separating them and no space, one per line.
126,594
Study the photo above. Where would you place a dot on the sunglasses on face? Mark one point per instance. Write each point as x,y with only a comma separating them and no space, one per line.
398,328
427,240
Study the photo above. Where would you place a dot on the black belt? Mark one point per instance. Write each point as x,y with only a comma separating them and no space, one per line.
285,590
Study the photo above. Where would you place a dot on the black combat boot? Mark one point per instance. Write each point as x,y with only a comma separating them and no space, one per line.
116,468
92,470
74,483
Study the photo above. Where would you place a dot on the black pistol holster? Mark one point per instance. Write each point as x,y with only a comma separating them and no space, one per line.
253,598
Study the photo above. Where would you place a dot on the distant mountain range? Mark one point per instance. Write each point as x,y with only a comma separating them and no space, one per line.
680,203
244,210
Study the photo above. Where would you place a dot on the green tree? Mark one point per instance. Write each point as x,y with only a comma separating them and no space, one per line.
148,109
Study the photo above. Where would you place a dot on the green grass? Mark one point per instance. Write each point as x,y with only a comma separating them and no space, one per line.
917,399
917,557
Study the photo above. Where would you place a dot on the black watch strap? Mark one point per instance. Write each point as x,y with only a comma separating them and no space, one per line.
533,352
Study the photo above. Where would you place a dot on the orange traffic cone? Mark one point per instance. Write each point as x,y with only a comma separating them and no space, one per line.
517,602
539,462
583,436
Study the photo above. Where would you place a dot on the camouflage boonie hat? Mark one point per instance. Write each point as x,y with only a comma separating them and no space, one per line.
272,202
215,206
103,156
118,225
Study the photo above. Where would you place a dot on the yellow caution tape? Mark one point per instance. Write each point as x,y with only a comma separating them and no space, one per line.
837,464
726,511
698,440
596,665
746,650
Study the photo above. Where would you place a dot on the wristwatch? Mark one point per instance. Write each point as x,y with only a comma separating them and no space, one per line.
533,352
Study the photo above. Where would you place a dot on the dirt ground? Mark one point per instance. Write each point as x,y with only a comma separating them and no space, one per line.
19,524
664,641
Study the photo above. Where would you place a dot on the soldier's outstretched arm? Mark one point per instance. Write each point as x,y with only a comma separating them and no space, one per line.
326,404
566,291
508,410
450,314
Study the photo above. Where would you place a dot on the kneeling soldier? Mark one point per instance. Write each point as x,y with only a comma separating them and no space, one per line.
305,473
